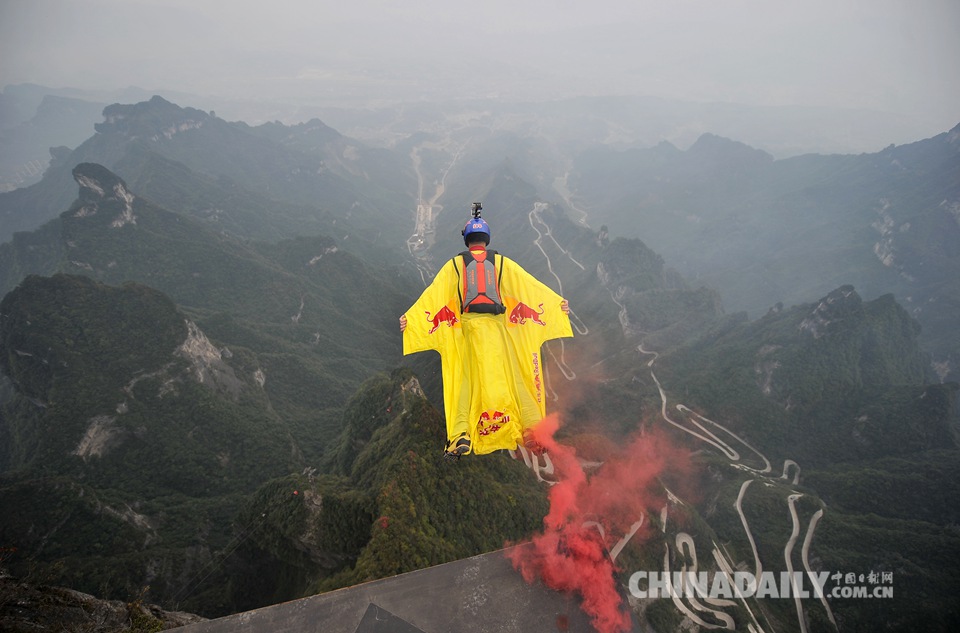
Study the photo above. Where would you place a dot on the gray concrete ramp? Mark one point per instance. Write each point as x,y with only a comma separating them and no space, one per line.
482,594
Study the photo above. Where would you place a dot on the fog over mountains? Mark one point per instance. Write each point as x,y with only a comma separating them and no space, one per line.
722,212
202,373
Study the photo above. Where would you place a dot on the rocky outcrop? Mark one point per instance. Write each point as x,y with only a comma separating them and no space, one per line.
35,608
833,308
206,362
154,120
101,435
102,189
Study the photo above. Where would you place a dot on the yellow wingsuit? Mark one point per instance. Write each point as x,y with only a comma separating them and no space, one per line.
491,365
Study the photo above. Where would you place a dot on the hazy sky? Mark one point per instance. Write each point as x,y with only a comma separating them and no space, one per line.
900,56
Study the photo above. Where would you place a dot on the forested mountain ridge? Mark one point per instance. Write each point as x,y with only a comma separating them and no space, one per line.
277,300
307,461
837,381
273,339
764,231
819,422
146,422
231,160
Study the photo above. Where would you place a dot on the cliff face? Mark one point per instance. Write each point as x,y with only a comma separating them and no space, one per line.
152,120
28,607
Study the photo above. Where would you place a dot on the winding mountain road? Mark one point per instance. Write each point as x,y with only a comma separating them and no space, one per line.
535,217
696,425
424,231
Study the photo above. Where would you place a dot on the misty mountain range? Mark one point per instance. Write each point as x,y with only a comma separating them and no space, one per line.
34,119
200,318
883,222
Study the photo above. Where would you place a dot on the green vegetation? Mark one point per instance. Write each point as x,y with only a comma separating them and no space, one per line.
762,231
188,406
114,434
427,511
836,381
839,387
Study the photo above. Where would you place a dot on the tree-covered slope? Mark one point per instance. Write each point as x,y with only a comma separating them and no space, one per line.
390,504
310,319
128,435
226,161
762,231
826,410
220,417
289,330
839,380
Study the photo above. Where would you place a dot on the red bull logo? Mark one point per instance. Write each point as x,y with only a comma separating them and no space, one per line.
491,422
522,313
445,315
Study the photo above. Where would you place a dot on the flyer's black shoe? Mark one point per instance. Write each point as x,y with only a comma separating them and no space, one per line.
461,446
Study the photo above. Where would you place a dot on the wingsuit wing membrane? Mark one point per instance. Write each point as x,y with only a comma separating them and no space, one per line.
490,364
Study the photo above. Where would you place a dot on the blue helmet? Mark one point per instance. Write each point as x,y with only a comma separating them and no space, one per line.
474,227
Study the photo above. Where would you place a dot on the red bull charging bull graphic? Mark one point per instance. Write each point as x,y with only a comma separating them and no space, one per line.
522,313
444,315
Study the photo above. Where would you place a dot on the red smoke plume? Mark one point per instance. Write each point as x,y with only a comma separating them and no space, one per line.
571,555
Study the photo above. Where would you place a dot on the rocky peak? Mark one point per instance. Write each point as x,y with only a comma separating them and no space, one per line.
833,308
206,362
155,119
28,606
97,183
98,187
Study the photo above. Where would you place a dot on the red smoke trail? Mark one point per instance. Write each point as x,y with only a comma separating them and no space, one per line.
572,557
